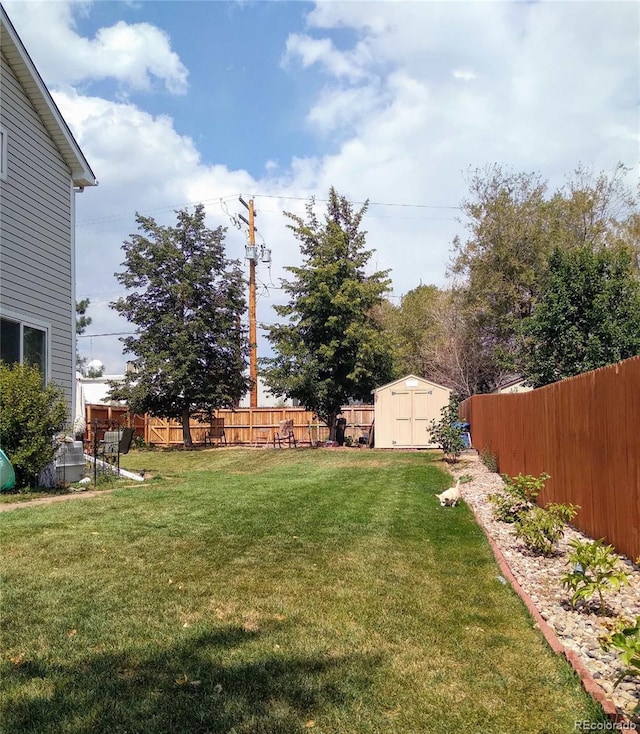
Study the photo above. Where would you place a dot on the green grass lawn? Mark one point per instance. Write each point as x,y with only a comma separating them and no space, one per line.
270,591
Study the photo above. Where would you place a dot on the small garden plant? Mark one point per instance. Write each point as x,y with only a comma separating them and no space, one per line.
540,529
447,432
624,637
489,460
595,570
518,496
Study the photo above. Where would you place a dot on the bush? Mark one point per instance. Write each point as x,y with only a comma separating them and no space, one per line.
624,637
30,417
446,433
541,529
489,460
595,571
518,496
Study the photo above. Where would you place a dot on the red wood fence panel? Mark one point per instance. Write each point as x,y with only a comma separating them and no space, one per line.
585,433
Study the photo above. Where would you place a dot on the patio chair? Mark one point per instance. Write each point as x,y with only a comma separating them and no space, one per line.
215,430
284,433
116,444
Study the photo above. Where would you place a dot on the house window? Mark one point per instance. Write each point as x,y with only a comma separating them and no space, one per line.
3,153
20,342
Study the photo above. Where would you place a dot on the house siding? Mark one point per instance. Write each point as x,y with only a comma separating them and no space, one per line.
36,265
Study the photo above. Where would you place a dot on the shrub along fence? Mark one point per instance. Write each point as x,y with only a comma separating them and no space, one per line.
585,433
243,426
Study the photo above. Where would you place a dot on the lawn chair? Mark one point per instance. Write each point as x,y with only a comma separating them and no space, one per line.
115,445
215,430
284,433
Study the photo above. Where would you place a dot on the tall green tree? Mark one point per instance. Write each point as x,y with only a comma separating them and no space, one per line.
431,334
514,223
412,327
331,348
82,321
187,300
588,315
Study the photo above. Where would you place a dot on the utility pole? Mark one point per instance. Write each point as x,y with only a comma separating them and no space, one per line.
252,256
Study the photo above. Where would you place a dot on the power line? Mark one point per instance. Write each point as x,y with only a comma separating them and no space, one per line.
371,203
127,215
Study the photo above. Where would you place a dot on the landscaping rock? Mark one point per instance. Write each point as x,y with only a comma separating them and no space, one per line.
540,577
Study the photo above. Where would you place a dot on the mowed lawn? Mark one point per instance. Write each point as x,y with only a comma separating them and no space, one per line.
270,591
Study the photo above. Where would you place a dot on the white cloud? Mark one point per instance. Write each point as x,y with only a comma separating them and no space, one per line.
465,75
144,165
137,55
345,108
348,65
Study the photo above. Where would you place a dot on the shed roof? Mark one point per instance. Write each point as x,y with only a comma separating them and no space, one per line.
409,377
40,97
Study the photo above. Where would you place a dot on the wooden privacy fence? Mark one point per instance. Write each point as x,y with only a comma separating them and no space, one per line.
585,433
244,426
257,426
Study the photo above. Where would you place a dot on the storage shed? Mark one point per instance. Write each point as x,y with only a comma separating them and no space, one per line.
403,411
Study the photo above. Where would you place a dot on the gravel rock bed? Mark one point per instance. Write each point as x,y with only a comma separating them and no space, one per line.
539,577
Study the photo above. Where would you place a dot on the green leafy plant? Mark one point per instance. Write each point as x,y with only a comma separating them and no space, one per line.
446,432
518,496
139,442
489,460
595,570
30,417
624,637
540,529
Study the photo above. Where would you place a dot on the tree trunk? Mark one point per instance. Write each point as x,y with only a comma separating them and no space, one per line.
331,422
186,428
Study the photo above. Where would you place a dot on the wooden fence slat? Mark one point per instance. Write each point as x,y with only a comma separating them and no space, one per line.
585,433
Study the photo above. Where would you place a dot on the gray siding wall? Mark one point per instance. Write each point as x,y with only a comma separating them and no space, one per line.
36,279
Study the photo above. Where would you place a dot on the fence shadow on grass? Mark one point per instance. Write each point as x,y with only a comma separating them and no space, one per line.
183,690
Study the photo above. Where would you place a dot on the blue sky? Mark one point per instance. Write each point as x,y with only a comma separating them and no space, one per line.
185,102
233,108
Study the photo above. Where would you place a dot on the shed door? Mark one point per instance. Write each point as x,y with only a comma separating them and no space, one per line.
410,417
402,423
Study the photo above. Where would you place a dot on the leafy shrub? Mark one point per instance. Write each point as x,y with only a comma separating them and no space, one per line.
139,442
446,432
595,571
540,529
517,497
625,638
30,417
489,460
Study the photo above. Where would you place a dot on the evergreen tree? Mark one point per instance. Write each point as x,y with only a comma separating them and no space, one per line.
82,321
331,349
187,300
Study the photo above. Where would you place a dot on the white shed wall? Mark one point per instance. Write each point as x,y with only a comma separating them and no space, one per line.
403,411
